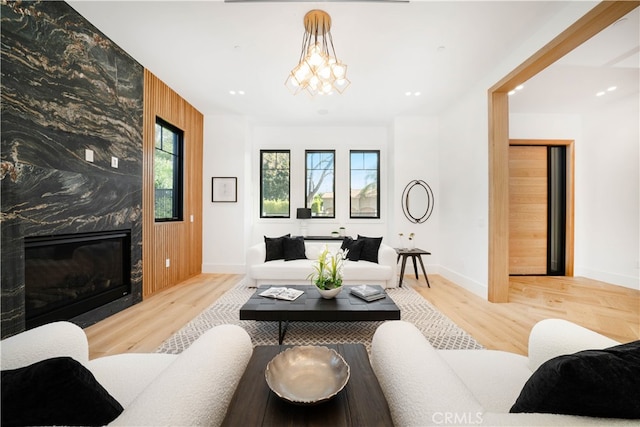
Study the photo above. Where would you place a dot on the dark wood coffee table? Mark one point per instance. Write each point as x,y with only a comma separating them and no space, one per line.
311,307
360,403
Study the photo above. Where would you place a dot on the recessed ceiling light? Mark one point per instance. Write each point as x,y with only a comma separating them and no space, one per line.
232,92
236,92
512,92
612,88
600,93
519,87
407,93
416,93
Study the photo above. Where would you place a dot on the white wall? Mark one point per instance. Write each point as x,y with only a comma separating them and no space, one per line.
338,138
225,225
610,206
607,185
416,147
464,169
457,231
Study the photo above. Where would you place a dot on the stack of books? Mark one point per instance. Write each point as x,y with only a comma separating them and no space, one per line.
367,292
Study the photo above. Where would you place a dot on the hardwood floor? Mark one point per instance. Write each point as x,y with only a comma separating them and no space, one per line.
611,310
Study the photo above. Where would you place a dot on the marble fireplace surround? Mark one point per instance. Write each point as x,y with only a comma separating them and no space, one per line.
66,88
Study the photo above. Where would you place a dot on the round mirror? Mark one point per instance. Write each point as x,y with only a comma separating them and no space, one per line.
417,201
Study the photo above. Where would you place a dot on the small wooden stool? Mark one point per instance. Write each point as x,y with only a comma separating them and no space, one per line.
413,253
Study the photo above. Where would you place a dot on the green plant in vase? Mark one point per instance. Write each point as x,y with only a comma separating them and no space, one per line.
327,272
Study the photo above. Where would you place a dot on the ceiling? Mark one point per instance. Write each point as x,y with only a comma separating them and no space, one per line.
205,49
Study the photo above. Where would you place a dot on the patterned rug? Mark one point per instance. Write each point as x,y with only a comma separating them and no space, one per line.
441,332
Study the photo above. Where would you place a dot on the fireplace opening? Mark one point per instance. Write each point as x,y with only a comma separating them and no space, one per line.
69,275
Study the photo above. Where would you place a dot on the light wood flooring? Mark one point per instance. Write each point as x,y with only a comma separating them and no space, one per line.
611,310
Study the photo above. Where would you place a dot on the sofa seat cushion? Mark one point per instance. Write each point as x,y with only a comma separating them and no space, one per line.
297,269
483,372
300,269
366,271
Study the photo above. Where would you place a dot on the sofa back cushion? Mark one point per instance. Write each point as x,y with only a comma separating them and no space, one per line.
294,248
370,248
354,248
274,247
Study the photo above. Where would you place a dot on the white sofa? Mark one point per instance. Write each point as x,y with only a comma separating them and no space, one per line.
190,389
424,386
296,272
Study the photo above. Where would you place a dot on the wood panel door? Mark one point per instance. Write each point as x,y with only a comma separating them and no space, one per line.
528,209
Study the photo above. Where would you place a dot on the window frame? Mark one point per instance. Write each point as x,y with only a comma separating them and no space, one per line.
261,208
378,205
306,182
178,175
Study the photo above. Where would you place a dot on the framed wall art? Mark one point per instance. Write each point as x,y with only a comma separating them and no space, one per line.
224,189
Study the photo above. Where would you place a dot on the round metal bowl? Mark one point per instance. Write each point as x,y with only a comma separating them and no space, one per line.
307,375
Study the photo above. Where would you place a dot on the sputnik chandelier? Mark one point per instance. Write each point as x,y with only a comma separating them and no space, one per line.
319,71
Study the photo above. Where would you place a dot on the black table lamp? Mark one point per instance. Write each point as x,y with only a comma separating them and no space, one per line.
303,213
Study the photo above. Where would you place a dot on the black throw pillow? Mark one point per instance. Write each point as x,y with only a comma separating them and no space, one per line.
294,248
354,247
595,383
58,391
370,248
274,247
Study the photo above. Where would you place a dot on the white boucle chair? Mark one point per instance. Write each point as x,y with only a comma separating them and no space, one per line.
425,386
190,389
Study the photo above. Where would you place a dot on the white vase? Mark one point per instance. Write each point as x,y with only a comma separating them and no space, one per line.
329,293
412,244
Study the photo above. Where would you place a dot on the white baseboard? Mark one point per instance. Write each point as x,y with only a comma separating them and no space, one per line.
467,283
611,278
223,268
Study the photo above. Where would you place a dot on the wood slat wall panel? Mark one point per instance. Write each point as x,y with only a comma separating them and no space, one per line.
180,242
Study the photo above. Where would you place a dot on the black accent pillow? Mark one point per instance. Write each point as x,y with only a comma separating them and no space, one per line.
370,248
595,383
354,247
294,248
58,391
274,247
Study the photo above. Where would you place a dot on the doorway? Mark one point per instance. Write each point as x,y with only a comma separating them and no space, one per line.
541,207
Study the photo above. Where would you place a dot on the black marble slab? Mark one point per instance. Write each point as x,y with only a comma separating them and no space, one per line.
65,88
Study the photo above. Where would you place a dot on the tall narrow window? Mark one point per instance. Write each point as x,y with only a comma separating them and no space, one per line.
167,171
365,184
320,183
274,183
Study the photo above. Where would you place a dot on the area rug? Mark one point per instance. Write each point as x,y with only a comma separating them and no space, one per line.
441,331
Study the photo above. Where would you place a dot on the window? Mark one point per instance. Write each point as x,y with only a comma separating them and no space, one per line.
320,183
365,184
274,183
167,171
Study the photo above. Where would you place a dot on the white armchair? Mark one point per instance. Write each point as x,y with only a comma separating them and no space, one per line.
192,388
425,386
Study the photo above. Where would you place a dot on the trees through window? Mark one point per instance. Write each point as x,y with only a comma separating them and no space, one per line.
275,186
168,171
320,183
364,184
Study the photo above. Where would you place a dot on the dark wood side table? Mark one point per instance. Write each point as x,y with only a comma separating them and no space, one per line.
360,403
413,253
